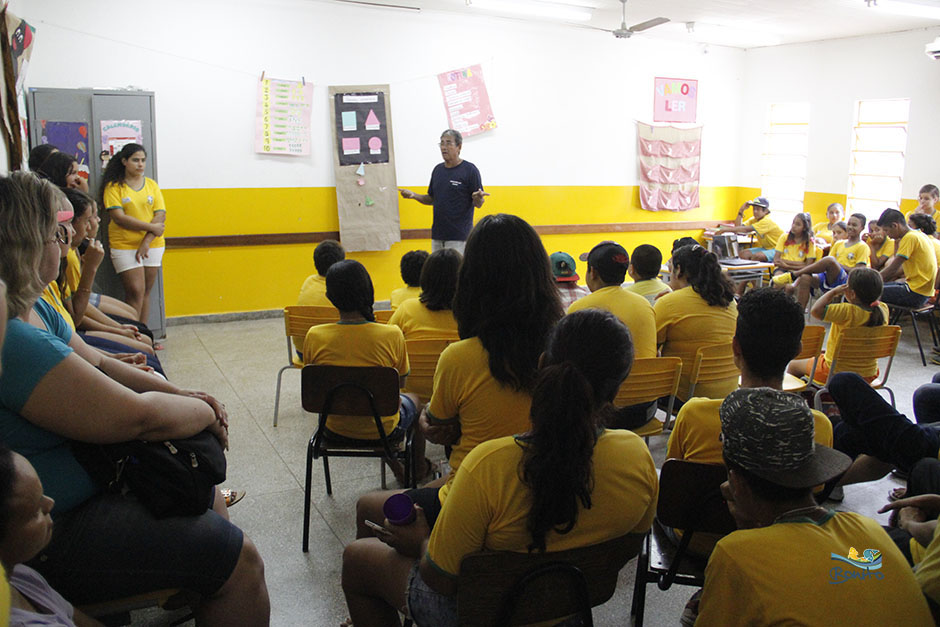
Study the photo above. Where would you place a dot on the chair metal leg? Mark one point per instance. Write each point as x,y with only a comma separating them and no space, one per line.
382,471
638,605
923,360
326,473
277,394
306,542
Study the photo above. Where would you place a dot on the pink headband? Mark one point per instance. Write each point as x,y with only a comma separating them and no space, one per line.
64,216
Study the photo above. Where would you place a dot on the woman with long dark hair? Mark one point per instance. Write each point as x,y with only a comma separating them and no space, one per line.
137,215
699,312
565,483
506,305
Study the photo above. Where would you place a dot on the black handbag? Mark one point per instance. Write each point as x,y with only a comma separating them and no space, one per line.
170,478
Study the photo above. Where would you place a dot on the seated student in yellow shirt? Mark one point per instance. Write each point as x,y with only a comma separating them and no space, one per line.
766,230
566,276
823,230
881,246
796,249
411,264
791,562
506,306
357,340
915,257
832,270
563,484
926,225
645,265
313,290
927,199
430,316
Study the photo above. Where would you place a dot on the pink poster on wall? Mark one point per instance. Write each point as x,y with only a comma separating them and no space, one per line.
466,100
674,99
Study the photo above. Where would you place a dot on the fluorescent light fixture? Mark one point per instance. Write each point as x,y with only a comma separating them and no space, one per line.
562,10
912,9
736,37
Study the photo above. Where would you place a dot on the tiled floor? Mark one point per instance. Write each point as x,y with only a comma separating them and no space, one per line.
238,362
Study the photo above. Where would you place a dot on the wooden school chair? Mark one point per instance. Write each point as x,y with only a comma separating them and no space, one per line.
651,378
858,346
811,348
297,321
689,499
383,315
423,356
713,363
352,391
896,312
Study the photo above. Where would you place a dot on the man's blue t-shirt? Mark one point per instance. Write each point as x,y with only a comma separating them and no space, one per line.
452,191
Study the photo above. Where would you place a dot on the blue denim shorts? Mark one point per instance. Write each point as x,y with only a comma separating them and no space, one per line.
842,280
427,607
768,252
111,547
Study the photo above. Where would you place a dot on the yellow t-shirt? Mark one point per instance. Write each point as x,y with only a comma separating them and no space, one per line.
767,231
844,316
417,322
487,409
796,251
936,246
887,248
357,344
850,256
402,294
52,296
141,204
920,265
632,309
73,270
685,323
696,433
312,294
785,574
489,505
927,571
648,288
823,231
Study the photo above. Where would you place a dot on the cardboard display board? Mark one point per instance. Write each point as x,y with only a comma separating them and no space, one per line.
364,163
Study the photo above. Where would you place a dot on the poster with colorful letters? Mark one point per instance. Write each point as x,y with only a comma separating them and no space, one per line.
467,103
282,121
674,99
69,137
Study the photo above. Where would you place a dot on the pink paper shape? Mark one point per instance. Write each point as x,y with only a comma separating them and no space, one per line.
674,99
375,144
372,123
350,145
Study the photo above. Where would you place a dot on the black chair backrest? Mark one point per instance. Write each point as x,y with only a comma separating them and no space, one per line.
533,587
690,497
351,390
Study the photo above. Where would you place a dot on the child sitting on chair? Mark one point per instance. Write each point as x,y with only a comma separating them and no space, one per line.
645,266
411,264
880,245
357,340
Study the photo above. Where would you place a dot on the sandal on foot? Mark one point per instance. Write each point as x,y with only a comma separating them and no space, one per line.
232,496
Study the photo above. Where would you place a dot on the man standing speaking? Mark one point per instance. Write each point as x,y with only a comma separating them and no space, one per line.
455,190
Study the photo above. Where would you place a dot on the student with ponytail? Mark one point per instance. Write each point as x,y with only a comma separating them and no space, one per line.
564,484
862,308
357,340
699,312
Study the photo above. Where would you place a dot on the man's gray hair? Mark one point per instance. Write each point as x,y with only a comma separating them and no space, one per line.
455,135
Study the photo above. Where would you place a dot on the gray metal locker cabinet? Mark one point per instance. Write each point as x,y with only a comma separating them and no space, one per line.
92,106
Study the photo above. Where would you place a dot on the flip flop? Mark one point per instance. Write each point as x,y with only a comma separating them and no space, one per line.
897,494
232,496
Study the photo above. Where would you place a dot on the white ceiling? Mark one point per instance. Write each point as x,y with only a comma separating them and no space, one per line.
738,23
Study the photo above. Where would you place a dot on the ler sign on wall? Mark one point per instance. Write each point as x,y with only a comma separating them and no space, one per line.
674,99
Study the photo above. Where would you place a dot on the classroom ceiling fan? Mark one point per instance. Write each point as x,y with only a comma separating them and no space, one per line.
625,33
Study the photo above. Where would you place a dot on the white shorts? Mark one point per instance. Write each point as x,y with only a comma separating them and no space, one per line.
124,260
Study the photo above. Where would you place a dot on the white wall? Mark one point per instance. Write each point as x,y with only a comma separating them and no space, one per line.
565,98
832,76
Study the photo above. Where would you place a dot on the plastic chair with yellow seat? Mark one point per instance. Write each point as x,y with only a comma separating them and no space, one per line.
383,315
422,357
712,364
297,321
812,342
651,378
857,347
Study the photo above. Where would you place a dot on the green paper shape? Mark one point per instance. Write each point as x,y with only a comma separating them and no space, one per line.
369,202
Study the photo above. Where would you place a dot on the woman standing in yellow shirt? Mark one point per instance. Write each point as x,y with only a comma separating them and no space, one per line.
135,234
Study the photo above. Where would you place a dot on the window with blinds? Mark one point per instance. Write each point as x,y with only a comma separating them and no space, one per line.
879,139
783,160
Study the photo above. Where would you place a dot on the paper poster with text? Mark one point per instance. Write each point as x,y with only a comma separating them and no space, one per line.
115,134
282,120
674,99
466,101
69,137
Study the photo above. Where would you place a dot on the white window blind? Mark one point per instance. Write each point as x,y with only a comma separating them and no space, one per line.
879,139
783,160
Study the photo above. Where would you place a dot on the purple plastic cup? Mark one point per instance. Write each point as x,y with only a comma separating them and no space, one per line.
399,509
